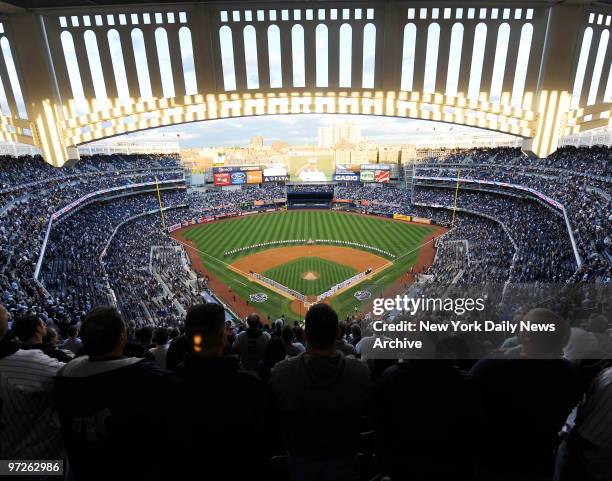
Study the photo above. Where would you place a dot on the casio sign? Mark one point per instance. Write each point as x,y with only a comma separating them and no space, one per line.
346,177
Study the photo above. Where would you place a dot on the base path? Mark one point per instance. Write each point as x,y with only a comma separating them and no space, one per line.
262,261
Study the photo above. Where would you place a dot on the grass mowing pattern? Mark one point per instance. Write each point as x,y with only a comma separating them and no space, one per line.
290,275
393,236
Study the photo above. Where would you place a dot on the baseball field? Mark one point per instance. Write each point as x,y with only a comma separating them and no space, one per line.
308,252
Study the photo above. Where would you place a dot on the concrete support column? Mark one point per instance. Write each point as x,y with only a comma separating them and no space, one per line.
39,86
555,82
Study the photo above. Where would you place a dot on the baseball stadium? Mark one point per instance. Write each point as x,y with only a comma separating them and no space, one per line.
306,241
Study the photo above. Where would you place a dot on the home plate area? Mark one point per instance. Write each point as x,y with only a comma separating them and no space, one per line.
311,273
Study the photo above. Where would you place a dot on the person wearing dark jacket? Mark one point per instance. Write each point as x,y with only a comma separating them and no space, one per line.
110,406
251,344
32,331
179,347
313,392
427,440
218,404
526,402
275,353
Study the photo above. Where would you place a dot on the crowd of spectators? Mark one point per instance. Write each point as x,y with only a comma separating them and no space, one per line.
578,178
234,200
381,197
311,187
73,269
306,401
477,250
544,250
31,192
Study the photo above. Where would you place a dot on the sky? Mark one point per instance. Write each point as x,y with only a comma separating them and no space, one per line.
297,129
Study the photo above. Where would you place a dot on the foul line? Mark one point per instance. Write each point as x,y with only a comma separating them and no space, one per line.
423,244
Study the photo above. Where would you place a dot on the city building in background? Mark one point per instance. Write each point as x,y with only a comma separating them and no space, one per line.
344,132
256,142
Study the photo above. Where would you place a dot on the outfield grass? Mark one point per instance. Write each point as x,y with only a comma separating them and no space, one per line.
396,237
290,275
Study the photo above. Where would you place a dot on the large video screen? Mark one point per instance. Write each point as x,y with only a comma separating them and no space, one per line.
311,167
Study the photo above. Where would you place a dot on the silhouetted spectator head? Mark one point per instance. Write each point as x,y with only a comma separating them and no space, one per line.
205,327
253,321
545,343
275,352
131,327
161,337
50,337
298,331
287,334
144,335
29,329
103,332
356,331
173,332
341,330
5,316
598,323
73,331
321,326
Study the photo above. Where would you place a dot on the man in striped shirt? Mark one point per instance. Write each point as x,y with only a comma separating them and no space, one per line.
29,428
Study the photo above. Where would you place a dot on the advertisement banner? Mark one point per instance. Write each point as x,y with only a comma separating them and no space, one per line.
222,179
276,178
367,176
382,176
402,217
537,193
421,220
91,195
254,177
346,177
237,178
375,167
235,168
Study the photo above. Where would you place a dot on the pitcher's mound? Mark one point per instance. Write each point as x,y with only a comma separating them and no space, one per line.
310,276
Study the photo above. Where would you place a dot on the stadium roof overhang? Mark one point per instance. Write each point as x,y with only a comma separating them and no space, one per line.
84,70
12,6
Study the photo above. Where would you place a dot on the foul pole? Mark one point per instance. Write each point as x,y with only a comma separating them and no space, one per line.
161,205
456,196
